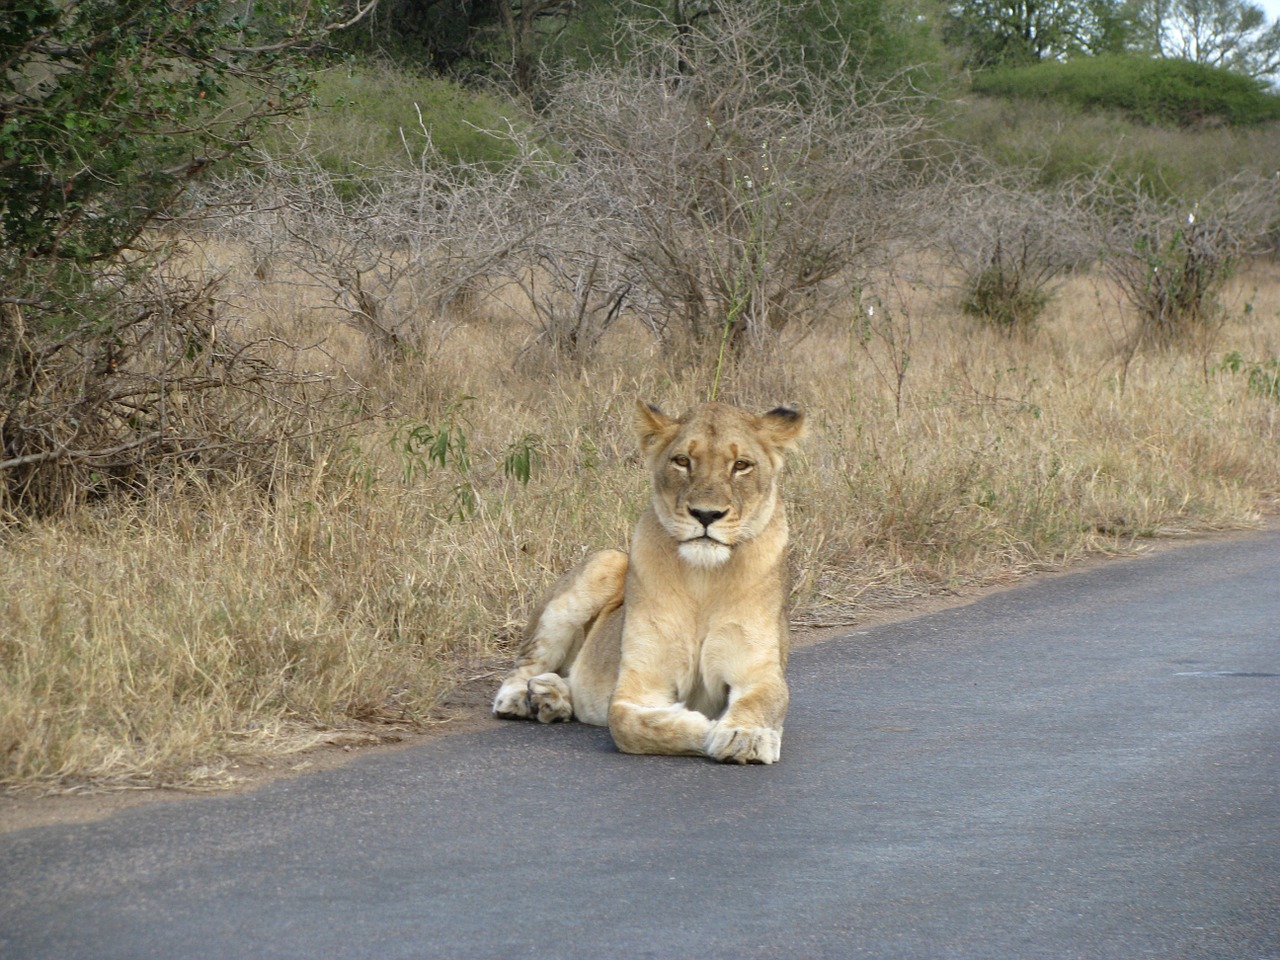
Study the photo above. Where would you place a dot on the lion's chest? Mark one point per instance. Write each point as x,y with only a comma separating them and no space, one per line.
695,635
719,655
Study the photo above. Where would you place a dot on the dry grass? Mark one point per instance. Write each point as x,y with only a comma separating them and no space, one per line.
160,642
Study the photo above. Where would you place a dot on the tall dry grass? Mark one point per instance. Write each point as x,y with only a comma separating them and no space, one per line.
149,642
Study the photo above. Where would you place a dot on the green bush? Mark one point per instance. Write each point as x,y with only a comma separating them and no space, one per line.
1060,142
367,118
1002,297
1155,91
108,109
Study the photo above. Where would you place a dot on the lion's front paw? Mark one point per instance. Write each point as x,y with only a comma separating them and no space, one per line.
731,744
549,699
512,701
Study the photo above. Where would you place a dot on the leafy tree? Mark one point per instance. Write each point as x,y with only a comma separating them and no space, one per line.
109,109
437,34
880,37
1018,32
1233,34
479,37
518,39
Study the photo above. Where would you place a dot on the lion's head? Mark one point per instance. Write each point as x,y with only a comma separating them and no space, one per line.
715,474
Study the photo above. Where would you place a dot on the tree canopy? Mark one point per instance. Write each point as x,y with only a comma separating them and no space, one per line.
1232,34
109,107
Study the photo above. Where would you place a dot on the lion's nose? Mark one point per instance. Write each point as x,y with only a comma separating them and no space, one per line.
706,517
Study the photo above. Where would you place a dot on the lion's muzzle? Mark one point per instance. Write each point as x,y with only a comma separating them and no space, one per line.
707,517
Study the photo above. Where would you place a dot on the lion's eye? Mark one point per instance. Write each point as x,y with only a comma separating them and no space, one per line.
742,466
681,461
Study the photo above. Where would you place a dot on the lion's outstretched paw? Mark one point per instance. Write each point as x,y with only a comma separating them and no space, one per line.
549,699
512,701
730,744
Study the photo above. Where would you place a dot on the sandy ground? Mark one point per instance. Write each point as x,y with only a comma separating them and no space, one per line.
466,709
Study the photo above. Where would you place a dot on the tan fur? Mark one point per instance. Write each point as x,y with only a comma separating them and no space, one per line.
680,647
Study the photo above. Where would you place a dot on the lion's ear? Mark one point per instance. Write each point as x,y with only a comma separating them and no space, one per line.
783,427
652,425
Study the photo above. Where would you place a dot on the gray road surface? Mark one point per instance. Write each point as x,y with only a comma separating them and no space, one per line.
1084,767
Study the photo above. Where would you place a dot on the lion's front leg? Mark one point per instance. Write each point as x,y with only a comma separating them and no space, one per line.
644,716
668,729
554,638
750,730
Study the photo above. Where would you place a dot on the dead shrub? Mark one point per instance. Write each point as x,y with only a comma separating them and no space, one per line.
1011,246
728,187
1171,259
143,382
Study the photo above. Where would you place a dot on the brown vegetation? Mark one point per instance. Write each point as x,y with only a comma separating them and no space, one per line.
159,640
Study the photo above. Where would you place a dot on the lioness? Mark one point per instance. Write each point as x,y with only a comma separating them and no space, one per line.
679,647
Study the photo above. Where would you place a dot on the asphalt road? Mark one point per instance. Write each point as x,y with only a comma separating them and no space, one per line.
1084,767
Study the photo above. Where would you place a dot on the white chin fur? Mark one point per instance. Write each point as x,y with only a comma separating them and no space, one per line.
703,553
